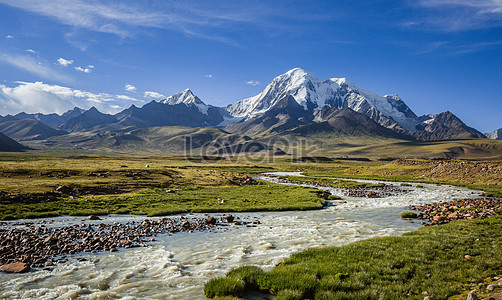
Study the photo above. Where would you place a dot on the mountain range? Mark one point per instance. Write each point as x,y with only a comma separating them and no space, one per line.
293,104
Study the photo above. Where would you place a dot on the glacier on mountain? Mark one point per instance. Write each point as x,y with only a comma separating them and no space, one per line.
313,93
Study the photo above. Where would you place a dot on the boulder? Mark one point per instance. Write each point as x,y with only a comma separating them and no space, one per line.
229,218
210,221
372,195
473,295
93,217
16,267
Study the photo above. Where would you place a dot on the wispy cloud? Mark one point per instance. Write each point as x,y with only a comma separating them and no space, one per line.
30,65
32,97
31,51
253,82
209,76
130,88
9,36
192,18
125,97
459,15
87,69
154,95
64,62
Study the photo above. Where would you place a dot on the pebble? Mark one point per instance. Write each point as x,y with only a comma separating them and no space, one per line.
445,212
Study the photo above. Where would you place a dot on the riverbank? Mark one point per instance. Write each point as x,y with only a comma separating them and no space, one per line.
435,261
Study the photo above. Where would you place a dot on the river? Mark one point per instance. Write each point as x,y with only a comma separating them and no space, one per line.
177,266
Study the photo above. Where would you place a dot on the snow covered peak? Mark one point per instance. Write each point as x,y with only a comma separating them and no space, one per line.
188,98
313,93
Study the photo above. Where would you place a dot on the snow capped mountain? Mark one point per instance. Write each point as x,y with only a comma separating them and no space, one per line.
313,93
188,98
496,135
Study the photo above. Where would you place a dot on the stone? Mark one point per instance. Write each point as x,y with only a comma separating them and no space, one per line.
428,298
16,267
93,217
473,295
229,218
210,221
439,218
185,224
492,287
371,195
467,256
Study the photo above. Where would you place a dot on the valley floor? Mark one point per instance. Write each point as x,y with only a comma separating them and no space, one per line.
431,260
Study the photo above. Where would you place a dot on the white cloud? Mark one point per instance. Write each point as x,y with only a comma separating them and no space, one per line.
29,64
209,76
253,82
85,70
32,97
130,88
9,36
125,97
154,95
31,51
64,62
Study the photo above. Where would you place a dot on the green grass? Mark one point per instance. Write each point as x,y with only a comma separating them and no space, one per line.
332,182
430,260
409,215
158,202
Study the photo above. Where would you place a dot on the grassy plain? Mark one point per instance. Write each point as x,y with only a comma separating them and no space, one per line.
46,186
429,260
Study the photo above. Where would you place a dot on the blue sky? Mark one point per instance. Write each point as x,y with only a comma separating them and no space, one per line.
436,54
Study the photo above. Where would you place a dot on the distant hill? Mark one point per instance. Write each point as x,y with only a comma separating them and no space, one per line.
444,126
89,120
167,139
53,120
27,129
9,145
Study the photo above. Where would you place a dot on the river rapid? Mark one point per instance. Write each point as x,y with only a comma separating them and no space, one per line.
177,266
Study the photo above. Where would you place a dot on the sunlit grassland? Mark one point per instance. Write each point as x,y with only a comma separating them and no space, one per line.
161,202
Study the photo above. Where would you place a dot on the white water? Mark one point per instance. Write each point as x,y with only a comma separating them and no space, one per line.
177,266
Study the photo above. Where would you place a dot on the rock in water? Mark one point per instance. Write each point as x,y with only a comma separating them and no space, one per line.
93,217
211,221
17,267
229,218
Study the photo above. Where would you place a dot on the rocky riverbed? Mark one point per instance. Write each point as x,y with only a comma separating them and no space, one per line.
28,244
380,191
445,212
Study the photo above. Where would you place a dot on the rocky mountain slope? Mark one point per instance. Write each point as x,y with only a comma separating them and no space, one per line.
444,126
